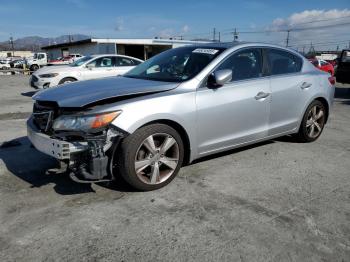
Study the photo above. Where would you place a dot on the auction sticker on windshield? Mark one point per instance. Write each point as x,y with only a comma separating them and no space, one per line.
205,51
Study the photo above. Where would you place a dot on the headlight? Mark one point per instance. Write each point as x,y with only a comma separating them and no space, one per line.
48,75
84,123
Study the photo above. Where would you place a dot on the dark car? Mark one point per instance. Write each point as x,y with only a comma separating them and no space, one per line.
343,69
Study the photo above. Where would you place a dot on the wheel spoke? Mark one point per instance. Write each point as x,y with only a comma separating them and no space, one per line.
312,130
142,164
314,111
317,126
319,115
309,122
149,144
155,173
170,162
168,142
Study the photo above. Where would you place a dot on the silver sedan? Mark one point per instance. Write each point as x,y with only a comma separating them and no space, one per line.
181,105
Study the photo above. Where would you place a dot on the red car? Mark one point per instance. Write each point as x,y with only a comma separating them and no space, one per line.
323,65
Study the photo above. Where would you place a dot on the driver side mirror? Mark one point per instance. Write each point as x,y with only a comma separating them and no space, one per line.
219,78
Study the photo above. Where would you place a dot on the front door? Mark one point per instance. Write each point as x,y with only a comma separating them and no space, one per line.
99,68
237,112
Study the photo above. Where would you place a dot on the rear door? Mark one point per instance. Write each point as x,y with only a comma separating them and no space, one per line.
237,112
290,90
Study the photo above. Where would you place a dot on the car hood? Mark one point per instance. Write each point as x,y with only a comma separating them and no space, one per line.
54,69
83,93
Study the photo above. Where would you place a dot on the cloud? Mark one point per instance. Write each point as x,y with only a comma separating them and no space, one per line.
185,29
325,29
166,33
120,24
309,16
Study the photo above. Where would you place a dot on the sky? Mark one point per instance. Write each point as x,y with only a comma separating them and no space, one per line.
254,20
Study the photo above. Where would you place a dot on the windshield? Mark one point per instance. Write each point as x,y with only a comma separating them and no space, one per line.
35,56
81,61
175,65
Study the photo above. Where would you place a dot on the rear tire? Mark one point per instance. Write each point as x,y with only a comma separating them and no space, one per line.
151,157
313,122
67,80
34,67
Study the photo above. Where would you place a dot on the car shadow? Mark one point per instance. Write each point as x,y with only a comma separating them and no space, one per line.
232,151
29,94
30,165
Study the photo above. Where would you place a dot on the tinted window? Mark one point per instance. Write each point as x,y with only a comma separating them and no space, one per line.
103,62
122,61
345,58
282,62
244,64
81,61
314,62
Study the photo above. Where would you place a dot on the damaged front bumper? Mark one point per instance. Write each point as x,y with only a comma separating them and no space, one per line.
58,149
87,160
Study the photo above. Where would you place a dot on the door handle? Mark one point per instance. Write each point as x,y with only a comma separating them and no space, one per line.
261,95
305,85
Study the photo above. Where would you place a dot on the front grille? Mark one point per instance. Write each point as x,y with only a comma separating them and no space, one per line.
43,115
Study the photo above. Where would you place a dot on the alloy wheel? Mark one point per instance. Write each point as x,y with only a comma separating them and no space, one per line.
315,121
157,158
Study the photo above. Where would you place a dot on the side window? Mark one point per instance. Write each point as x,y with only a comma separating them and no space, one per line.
282,62
244,64
103,62
122,61
136,62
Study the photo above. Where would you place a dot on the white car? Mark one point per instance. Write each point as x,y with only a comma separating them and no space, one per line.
4,65
88,67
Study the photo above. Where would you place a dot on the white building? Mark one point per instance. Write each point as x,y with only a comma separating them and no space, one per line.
140,48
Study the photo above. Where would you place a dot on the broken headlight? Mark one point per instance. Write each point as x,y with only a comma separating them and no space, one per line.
84,122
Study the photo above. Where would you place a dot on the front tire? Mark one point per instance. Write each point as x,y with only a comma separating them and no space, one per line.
67,80
313,122
34,68
151,157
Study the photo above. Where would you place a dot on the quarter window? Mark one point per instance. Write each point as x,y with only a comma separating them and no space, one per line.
245,64
282,62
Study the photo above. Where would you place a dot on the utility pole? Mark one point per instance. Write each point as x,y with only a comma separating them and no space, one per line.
287,40
214,34
219,36
235,35
12,47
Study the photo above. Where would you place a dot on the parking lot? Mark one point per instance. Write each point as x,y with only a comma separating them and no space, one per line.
275,201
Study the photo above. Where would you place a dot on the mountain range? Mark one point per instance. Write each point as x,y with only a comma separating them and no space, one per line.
34,43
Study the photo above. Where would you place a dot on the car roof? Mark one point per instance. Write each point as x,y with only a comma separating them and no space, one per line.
236,44
99,55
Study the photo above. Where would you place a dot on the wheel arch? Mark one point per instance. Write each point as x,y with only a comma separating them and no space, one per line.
182,132
325,103
71,77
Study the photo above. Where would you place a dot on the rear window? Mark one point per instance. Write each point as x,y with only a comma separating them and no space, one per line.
345,58
314,62
283,62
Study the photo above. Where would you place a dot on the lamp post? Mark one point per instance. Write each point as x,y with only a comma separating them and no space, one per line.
12,47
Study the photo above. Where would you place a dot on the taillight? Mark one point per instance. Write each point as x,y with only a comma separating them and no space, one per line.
331,80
